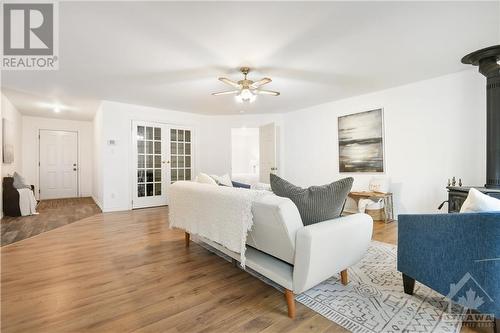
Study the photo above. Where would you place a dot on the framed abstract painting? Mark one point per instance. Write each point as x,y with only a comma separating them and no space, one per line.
361,142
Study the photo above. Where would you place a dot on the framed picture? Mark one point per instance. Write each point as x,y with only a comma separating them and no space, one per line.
8,142
361,142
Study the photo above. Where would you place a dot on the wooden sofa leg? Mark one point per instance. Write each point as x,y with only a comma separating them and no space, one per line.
408,284
187,237
290,302
344,278
496,325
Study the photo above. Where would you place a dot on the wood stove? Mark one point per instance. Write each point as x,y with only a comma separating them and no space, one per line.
458,194
488,62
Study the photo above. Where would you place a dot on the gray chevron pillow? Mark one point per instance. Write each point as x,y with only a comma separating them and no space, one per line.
316,203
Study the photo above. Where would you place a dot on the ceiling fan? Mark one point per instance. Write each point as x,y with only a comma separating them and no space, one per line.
246,90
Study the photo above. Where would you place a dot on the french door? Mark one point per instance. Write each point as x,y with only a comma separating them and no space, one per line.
162,154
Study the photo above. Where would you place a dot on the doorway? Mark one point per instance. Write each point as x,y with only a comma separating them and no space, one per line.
245,155
58,164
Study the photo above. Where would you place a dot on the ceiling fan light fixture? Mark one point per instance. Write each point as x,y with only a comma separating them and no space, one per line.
246,96
246,90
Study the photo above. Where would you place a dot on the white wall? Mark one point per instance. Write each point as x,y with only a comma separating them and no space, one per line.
434,129
215,139
97,170
116,166
10,113
31,127
211,137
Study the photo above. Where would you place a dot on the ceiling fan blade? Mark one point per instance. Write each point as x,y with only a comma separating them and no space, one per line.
261,82
266,92
232,92
229,82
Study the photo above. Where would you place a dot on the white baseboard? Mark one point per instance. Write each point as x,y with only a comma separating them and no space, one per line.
97,202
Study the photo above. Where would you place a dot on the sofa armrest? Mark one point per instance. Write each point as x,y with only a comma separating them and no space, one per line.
440,249
326,248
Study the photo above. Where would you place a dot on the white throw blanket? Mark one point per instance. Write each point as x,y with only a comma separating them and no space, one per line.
27,202
218,213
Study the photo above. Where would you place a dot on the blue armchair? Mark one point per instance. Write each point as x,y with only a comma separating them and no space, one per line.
439,250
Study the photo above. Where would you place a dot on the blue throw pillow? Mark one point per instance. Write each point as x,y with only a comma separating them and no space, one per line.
236,184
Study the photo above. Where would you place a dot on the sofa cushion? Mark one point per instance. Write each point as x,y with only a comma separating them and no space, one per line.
316,203
205,179
276,220
19,181
479,202
223,180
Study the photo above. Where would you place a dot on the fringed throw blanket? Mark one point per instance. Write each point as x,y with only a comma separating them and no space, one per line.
218,213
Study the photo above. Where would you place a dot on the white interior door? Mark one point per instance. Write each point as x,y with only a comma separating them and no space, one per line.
58,164
268,151
150,152
163,154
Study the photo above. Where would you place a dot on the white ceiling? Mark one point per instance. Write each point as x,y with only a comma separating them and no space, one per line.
169,54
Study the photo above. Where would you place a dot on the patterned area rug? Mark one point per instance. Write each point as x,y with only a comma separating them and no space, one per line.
374,300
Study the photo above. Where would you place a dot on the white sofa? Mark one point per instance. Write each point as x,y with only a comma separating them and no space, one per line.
295,256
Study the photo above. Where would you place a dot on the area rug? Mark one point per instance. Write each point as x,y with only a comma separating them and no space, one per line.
374,300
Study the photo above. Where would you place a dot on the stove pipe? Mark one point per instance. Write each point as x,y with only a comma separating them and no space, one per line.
488,61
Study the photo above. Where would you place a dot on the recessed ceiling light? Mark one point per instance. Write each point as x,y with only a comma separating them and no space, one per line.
241,111
56,107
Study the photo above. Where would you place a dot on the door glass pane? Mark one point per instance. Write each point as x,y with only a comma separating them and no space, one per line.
157,175
140,190
140,161
149,161
149,133
149,175
149,147
157,161
140,147
140,176
157,147
180,155
149,190
157,133
157,188
140,132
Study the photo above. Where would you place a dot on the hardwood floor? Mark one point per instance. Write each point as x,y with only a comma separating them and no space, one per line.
128,271
53,214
